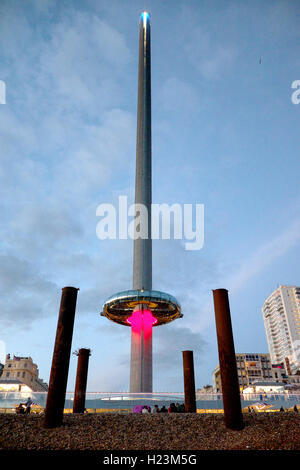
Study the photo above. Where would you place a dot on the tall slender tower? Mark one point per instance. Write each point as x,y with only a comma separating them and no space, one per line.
142,308
142,253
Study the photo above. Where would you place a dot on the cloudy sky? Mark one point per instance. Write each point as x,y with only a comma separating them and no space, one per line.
225,134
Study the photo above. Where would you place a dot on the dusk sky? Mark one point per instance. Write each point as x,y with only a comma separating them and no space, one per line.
225,133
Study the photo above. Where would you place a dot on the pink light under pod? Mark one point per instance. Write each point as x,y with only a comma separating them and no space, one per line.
141,318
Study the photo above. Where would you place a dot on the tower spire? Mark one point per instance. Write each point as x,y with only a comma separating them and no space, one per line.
142,252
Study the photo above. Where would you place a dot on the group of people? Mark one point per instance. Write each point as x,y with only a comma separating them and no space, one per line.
295,409
178,408
252,410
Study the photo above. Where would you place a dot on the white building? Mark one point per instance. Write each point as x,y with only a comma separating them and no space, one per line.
281,314
265,387
21,374
252,367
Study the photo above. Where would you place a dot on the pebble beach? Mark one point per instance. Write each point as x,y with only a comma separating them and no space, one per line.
109,431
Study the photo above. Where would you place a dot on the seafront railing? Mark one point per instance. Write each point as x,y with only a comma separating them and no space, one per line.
126,400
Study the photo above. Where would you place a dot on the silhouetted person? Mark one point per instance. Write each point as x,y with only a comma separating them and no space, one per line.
181,408
163,409
28,404
172,408
295,409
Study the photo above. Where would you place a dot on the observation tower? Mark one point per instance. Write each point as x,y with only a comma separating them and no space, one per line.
142,308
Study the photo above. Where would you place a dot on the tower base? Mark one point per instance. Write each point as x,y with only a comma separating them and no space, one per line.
141,322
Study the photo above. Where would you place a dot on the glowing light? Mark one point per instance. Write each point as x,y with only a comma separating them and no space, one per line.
141,318
145,17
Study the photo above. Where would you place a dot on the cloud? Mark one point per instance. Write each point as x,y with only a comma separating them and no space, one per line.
282,18
64,140
264,256
46,225
171,340
210,58
62,126
177,94
99,154
25,293
70,60
31,289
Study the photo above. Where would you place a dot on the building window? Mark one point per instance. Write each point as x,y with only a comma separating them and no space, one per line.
25,365
7,374
18,374
23,375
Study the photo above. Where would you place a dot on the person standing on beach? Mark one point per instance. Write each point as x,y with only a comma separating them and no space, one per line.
28,404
